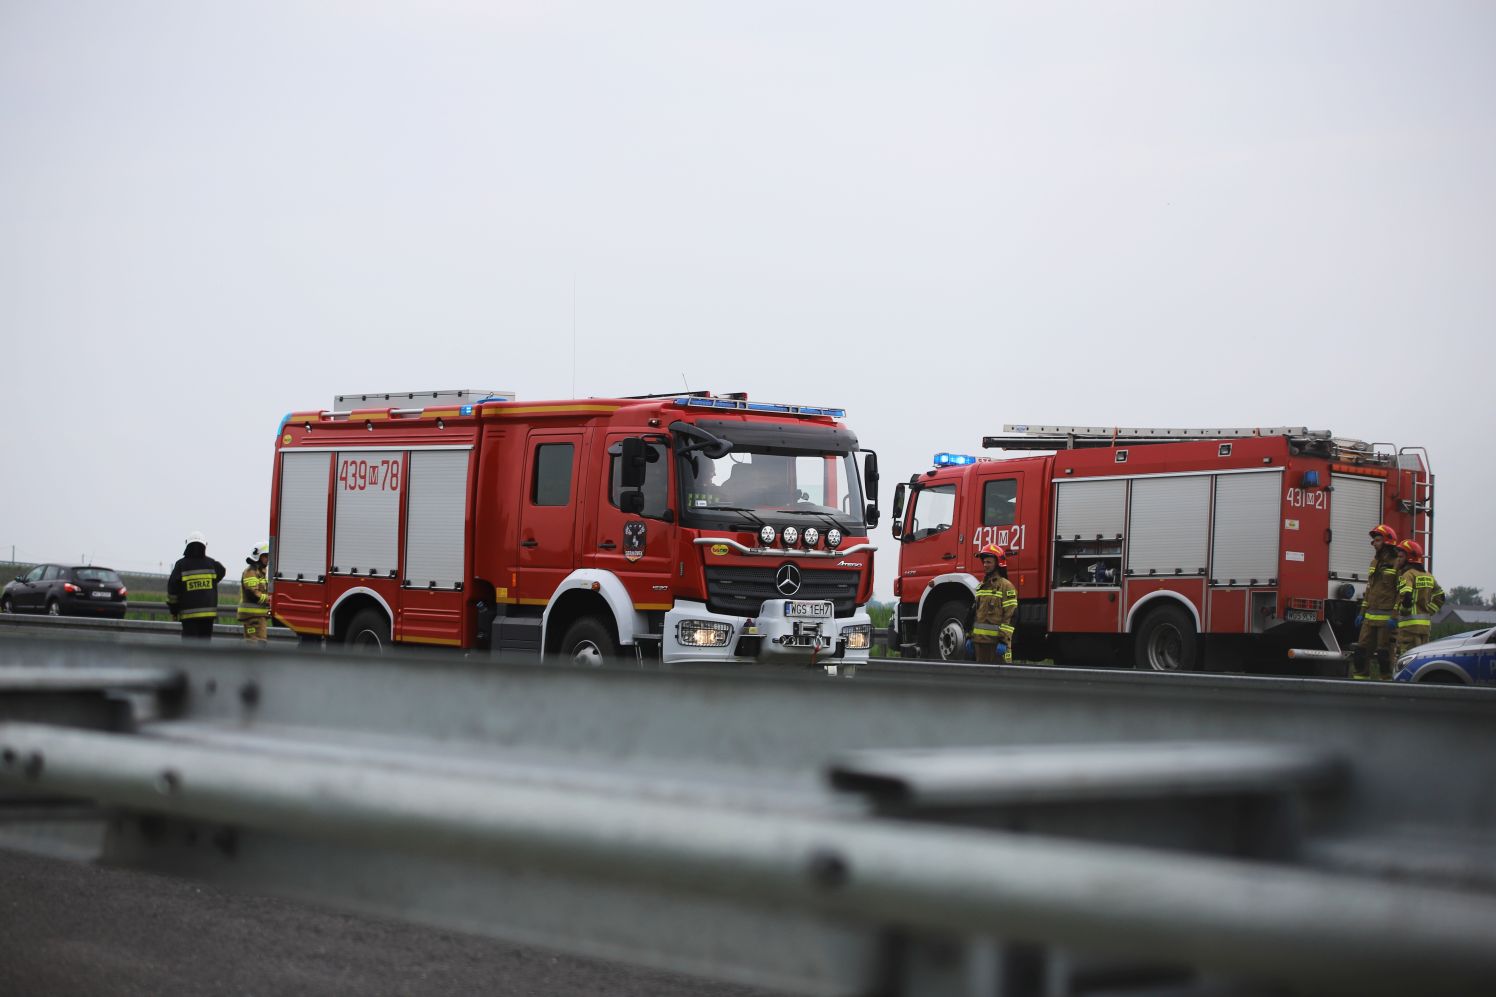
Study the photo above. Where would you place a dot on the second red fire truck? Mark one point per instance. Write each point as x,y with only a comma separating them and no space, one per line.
684,527
1170,549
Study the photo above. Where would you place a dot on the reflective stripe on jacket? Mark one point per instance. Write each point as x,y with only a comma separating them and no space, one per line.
1418,598
1381,586
996,605
192,587
254,600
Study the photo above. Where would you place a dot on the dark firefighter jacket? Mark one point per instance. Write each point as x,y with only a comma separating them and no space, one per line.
192,589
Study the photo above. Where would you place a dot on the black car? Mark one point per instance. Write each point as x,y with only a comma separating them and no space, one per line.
59,590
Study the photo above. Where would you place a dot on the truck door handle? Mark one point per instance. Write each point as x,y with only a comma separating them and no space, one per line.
529,543
607,545
947,557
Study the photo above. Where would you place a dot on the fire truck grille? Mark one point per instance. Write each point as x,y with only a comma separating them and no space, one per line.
742,591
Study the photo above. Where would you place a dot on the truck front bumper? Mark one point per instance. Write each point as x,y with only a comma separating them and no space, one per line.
695,633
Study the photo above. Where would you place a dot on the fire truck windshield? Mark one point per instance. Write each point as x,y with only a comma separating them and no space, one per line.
766,484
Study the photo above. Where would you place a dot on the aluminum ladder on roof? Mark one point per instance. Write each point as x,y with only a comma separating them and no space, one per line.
1323,442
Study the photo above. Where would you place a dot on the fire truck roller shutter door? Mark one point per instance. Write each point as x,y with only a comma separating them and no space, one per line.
435,538
1247,526
301,548
1090,509
1355,507
1169,526
626,619
366,512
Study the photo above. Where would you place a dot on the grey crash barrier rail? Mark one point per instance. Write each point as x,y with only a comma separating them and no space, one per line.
818,834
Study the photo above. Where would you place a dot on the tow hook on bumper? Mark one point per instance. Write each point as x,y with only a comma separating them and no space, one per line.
809,636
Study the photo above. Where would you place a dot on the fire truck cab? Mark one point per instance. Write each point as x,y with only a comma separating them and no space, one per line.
683,527
1156,546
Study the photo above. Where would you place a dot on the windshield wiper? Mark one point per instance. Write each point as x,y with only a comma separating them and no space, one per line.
825,516
750,513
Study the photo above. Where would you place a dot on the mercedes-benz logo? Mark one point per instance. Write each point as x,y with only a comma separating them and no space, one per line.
787,579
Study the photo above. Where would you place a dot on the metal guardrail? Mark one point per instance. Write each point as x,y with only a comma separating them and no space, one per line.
1038,831
42,624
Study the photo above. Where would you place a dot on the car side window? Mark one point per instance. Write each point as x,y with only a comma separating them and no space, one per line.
35,574
52,574
934,511
999,499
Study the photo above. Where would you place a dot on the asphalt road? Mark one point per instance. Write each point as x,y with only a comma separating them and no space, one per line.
68,930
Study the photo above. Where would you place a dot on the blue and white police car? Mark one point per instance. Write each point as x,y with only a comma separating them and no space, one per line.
1464,659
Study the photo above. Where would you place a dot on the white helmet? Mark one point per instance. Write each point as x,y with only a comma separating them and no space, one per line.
196,537
263,550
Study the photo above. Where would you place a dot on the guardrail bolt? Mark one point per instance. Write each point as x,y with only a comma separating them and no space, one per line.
168,782
827,869
249,693
33,765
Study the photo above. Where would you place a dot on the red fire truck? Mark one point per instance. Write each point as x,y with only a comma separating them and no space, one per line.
688,527
1171,549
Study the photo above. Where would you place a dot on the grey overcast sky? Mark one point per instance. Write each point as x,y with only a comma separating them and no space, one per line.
940,216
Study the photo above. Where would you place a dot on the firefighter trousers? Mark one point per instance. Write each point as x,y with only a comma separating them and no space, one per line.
1372,654
256,628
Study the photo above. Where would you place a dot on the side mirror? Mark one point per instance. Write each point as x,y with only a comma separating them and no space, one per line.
870,475
635,454
631,502
872,514
900,493
897,526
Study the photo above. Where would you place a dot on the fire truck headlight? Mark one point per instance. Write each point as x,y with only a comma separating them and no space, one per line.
833,538
703,633
791,536
858,638
812,536
766,535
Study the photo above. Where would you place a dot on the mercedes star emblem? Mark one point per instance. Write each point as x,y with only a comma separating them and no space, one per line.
787,579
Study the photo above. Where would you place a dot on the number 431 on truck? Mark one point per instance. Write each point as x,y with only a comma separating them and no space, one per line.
1171,549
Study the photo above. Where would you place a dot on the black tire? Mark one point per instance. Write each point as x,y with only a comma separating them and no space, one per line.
946,640
369,631
1166,642
6,606
588,641
54,608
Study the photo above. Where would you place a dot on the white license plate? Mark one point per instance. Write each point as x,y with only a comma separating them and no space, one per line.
807,610
102,595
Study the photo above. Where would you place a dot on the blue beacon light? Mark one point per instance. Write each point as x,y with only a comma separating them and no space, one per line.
954,459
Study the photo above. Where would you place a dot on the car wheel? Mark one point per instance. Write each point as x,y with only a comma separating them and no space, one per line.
53,609
1166,642
947,640
369,630
5,605
588,641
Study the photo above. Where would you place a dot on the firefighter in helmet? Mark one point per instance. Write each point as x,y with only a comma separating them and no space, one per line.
254,596
1418,597
192,588
1371,654
996,605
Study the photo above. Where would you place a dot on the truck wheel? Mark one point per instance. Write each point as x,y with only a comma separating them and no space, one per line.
588,641
369,630
947,640
1166,642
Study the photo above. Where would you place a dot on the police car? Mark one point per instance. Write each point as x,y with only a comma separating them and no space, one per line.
1464,659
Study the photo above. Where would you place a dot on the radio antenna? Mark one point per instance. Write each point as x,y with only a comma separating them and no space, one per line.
573,335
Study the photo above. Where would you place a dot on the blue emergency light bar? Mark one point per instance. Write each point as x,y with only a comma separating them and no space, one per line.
744,405
954,459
